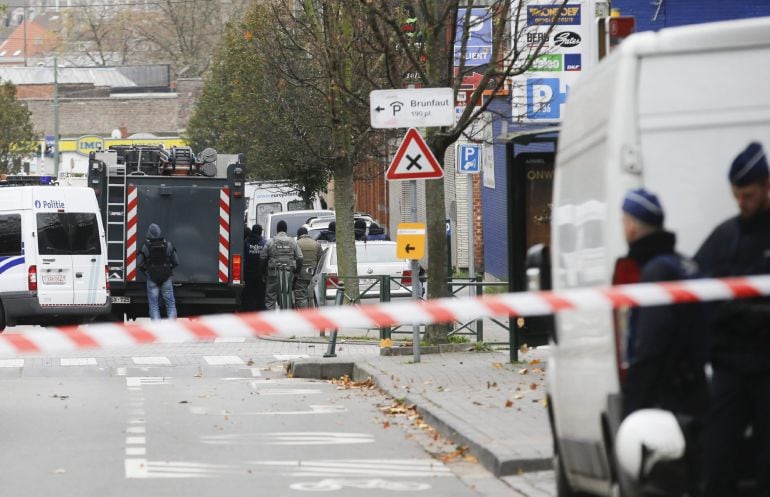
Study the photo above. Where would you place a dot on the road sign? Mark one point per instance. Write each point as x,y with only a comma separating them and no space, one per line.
468,158
412,108
414,160
410,241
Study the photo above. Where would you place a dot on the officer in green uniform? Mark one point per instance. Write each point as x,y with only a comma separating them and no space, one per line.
311,251
280,254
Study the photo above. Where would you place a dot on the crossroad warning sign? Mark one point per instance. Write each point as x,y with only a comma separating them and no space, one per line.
414,160
410,241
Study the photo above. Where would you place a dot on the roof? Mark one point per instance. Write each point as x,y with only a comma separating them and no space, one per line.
99,76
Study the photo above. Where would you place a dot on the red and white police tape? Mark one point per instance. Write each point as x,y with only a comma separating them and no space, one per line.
406,312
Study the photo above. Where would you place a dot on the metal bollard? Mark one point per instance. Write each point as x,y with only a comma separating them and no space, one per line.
479,322
384,298
338,299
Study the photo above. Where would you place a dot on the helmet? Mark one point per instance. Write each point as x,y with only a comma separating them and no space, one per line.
647,437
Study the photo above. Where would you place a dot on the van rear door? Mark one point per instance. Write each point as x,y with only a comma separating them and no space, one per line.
55,276
89,283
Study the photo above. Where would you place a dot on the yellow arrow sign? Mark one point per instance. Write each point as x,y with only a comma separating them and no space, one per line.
410,240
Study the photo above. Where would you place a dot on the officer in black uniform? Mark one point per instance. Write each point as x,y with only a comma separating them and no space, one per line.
253,296
740,389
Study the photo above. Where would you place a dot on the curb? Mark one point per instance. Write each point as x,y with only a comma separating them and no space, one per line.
457,430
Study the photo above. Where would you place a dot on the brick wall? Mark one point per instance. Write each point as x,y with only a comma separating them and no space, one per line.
149,113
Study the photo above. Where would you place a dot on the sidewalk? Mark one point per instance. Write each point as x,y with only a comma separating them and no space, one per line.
476,399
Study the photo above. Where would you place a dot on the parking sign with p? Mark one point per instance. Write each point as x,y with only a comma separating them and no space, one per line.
468,158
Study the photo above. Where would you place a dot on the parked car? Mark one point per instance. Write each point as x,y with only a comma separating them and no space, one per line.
373,258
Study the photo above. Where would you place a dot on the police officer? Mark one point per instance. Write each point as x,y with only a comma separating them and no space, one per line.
253,298
740,385
311,251
281,253
329,234
359,230
665,351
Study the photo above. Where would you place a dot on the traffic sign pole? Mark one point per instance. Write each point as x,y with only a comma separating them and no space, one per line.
415,280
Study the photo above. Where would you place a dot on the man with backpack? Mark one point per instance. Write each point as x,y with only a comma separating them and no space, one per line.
157,259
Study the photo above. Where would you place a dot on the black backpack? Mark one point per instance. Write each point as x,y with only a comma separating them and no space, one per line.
158,262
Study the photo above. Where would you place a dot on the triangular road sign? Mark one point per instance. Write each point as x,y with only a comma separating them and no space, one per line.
414,160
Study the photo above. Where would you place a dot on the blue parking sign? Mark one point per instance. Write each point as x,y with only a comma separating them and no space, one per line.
468,159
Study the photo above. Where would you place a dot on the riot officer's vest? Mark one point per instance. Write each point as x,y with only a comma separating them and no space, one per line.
282,252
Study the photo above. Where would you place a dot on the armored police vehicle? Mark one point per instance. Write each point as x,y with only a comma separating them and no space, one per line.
53,256
197,200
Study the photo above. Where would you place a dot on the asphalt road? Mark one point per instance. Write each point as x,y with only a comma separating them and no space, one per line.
210,419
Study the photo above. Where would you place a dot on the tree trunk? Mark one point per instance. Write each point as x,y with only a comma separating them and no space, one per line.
344,204
437,249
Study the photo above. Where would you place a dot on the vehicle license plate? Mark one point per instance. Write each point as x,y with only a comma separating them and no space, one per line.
121,300
54,279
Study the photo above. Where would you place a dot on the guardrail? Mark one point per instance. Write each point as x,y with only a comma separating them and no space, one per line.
381,289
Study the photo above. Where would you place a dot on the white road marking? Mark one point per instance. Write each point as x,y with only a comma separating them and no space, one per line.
290,357
136,451
138,381
78,361
290,438
151,360
229,339
331,484
142,468
255,372
136,421
11,363
331,468
287,391
223,360
121,371
136,440
136,430
314,409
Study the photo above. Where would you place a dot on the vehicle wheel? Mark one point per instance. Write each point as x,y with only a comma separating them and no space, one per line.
3,323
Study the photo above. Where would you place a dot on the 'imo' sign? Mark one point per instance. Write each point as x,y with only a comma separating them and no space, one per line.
544,99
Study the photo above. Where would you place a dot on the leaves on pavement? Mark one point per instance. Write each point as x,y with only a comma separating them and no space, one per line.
346,383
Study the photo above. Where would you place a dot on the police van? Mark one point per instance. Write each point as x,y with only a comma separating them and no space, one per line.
52,255
667,111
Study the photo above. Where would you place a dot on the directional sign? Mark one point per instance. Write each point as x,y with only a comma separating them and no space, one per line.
412,108
414,160
410,240
468,159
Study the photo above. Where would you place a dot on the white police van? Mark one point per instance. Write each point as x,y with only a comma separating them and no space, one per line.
52,256
668,111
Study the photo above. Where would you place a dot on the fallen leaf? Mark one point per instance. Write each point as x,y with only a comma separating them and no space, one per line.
533,386
524,371
250,363
518,396
386,343
497,365
477,403
491,385
227,417
508,403
524,348
544,401
534,361
471,459
183,402
386,425
537,371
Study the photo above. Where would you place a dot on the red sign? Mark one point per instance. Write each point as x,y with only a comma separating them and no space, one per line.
414,160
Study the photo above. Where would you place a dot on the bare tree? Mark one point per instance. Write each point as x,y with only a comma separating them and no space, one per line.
428,51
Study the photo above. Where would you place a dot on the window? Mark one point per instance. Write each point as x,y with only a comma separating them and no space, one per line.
297,205
72,233
10,234
264,210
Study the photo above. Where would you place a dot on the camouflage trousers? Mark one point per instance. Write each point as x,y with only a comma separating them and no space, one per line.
302,293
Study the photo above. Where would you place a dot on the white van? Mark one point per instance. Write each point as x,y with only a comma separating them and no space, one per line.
266,197
53,262
667,111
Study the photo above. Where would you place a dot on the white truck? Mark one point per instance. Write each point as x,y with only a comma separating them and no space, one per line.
667,111
267,197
